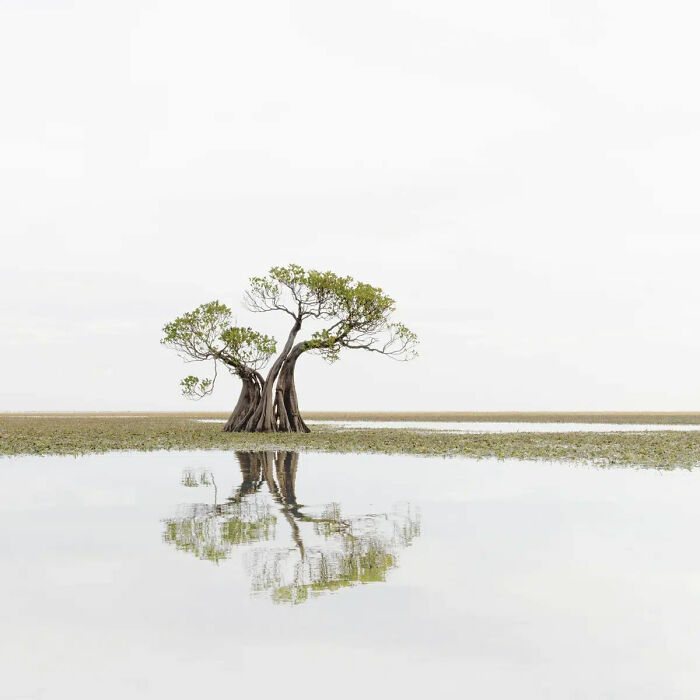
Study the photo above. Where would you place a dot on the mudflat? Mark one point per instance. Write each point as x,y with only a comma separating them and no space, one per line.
77,433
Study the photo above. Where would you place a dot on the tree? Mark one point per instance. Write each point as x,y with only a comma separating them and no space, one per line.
353,315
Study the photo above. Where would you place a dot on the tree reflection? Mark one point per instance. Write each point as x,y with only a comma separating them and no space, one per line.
328,550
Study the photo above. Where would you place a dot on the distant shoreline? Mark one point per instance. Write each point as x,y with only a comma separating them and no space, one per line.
639,417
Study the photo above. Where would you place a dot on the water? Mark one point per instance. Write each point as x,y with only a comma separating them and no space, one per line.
506,427
173,574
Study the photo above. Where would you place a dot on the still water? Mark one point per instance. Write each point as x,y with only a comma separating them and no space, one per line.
175,574
508,427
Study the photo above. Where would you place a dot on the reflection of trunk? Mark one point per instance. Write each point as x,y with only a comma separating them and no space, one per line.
251,473
286,468
263,419
279,471
247,403
282,491
286,402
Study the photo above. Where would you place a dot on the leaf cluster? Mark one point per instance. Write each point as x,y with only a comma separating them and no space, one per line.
208,333
362,315
359,313
298,292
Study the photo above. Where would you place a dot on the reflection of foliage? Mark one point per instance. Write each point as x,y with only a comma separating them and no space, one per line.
192,478
339,551
330,522
361,554
209,532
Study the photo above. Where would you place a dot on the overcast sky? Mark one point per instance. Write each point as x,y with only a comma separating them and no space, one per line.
522,177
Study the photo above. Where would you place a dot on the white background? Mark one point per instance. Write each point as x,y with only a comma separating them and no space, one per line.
522,177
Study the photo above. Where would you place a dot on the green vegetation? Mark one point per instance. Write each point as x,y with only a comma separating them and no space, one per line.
82,433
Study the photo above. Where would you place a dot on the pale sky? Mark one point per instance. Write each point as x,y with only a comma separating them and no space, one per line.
522,177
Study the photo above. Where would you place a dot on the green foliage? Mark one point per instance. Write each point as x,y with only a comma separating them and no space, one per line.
195,388
207,333
246,344
300,293
358,314
196,332
325,343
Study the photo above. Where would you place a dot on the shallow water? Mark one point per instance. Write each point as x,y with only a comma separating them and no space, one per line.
148,575
510,427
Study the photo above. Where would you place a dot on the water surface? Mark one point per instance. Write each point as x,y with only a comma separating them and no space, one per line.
146,575
508,427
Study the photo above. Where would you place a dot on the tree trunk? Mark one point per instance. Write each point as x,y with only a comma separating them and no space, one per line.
263,419
247,403
286,401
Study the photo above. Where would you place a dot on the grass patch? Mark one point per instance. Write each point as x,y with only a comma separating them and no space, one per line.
83,433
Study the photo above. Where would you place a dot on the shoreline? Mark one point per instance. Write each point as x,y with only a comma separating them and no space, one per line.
84,434
620,417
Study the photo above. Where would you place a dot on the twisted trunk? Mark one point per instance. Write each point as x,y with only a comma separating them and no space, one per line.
248,401
263,419
289,419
